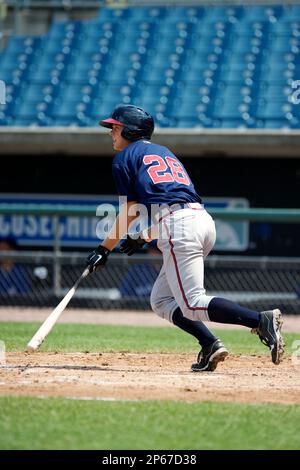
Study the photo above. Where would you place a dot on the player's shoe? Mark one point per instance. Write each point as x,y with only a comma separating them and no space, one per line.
269,332
209,357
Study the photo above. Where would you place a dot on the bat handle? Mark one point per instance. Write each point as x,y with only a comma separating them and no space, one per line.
85,273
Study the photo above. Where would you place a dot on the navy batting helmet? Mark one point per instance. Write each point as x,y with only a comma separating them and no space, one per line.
138,124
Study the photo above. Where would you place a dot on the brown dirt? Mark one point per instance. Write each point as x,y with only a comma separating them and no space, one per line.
106,376
125,376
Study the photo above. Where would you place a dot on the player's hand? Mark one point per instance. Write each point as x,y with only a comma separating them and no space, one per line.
131,245
97,258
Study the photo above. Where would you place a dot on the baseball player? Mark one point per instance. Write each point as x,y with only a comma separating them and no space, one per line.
150,174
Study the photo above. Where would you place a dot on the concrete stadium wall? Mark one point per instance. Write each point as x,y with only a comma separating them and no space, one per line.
187,142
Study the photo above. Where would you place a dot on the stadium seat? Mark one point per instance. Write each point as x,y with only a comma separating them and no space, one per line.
61,29
291,13
215,13
39,92
218,66
22,44
231,110
276,123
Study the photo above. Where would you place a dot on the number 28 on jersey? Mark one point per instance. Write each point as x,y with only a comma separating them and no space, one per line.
159,170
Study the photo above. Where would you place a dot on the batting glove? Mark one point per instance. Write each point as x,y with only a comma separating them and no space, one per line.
97,258
131,245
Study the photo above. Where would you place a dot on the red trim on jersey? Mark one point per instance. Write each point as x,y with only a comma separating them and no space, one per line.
178,275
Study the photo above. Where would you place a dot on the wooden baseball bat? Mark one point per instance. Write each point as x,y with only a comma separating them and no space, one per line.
50,321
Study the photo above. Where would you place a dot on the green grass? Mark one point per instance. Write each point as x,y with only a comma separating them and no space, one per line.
58,423
107,338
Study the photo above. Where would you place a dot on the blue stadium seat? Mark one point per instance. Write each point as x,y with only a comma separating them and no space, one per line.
213,14
193,110
233,124
97,30
30,110
22,44
49,62
240,76
67,29
14,76
276,76
58,45
291,13
7,109
276,123
102,108
283,45
157,76
270,110
232,91
281,29
69,109
187,122
101,46
84,73
47,75
71,92
229,110
275,92
251,29
9,61
39,92
36,121
140,14
58,122
225,66
113,14
12,61
260,12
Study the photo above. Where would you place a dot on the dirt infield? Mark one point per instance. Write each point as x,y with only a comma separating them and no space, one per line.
107,376
148,376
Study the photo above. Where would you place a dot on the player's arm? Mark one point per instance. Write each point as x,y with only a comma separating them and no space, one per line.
99,256
120,227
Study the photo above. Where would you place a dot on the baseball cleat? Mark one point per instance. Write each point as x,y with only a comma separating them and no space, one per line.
269,332
209,357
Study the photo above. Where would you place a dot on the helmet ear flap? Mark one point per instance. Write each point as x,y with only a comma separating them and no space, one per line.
129,134
126,133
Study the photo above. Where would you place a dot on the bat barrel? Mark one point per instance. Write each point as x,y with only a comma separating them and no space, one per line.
50,321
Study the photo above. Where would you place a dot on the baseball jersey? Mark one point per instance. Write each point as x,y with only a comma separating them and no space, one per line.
151,174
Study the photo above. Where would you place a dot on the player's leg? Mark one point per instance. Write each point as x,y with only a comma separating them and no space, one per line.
267,325
184,255
164,304
186,238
